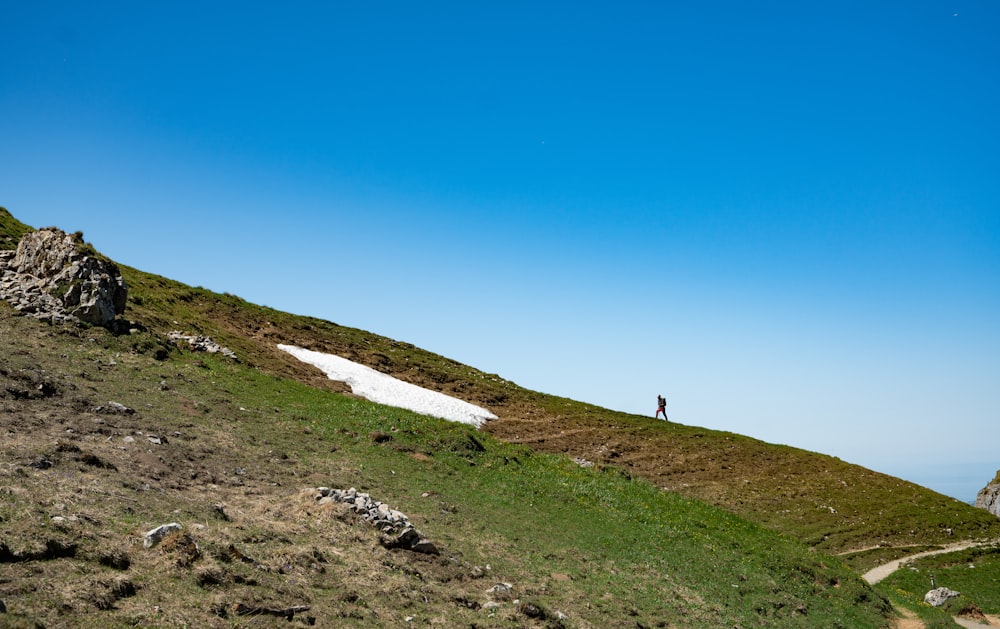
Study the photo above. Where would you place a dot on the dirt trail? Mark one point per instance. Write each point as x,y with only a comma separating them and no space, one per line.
876,574
991,621
909,620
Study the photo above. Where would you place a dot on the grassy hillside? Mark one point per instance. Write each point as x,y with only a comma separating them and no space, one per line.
11,230
230,453
819,500
241,443
975,570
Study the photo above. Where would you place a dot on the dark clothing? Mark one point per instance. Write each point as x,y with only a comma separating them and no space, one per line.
661,407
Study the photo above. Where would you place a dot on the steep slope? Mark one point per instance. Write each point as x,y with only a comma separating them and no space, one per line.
104,438
819,500
822,501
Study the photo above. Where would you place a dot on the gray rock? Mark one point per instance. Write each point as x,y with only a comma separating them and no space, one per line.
155,536
501,591
201,344
397,532
426,547
989,497
56,276
938,597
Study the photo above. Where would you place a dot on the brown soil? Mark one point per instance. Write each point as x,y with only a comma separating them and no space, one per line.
811,497
82,480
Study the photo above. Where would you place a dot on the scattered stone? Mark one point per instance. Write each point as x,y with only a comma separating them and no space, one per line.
201,344
938,597
397,532
115,408
410,539
155,536
532,611
501,591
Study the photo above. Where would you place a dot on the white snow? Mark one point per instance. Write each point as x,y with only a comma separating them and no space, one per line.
384,389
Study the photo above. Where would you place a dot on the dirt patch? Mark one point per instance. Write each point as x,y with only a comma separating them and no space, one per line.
907,620
79,487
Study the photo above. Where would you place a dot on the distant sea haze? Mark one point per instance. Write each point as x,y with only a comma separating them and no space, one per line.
962,481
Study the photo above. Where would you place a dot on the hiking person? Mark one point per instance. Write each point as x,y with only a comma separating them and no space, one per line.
661,407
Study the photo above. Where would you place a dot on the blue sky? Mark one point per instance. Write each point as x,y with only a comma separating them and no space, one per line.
783,216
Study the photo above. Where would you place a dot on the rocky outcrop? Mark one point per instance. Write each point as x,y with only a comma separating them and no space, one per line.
989,497
56,276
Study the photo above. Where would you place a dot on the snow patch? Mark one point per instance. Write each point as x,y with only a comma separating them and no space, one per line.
384,389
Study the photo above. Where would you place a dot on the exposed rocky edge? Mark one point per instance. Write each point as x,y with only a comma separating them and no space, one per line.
57,277
394,525
989,497
201,344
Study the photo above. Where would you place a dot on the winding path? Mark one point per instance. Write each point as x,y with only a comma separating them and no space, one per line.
876,574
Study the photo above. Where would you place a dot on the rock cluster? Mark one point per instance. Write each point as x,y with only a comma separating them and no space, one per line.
394,525
201,344
989,497
57,277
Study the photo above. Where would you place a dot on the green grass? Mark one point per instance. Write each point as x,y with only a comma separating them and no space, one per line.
820,500
543,514
605,544
593,543
11,230
974,572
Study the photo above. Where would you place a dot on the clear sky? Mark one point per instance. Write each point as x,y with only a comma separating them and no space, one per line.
783,216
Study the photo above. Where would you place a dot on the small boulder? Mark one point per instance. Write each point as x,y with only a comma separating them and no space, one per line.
155,536
501,592
938,596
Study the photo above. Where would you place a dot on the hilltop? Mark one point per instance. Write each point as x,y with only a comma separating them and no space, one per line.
828,504
558,513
